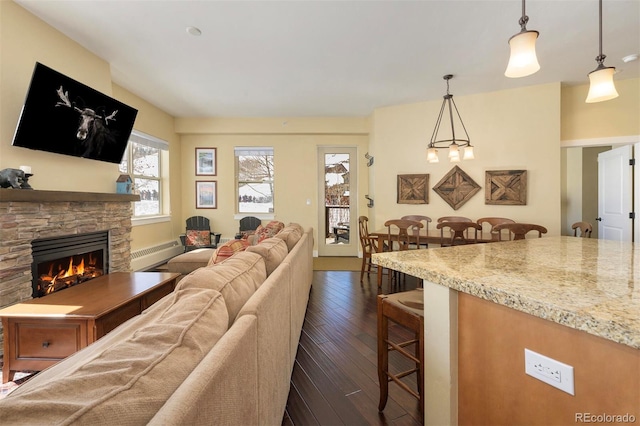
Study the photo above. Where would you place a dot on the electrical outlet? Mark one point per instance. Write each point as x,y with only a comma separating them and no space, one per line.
548,370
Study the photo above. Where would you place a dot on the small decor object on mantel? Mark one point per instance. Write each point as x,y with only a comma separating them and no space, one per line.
413,189
506,187
15,178
456,188
124,185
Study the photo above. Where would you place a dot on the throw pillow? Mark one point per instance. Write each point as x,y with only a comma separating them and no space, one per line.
270,230
227,250
198,238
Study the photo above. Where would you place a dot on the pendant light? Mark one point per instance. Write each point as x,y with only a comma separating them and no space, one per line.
523,60
601,87
454,144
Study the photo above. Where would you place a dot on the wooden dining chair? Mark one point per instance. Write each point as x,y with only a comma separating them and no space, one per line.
453,219
400,232
400,235
493,221
369,245
585,229
425,220
459,233
519,230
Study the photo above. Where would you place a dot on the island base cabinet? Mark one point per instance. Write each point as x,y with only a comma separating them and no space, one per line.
493,388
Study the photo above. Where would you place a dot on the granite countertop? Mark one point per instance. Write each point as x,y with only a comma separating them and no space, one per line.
586,284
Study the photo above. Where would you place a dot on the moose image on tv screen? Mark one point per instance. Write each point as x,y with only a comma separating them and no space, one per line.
64,116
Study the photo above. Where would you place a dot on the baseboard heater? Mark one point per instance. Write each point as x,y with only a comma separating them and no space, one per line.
152,256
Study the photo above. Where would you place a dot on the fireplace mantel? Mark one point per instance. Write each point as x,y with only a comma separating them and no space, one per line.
37,196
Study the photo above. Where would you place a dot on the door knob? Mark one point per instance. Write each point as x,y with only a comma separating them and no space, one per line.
599,219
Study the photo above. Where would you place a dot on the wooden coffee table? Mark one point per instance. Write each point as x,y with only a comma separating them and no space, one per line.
40,332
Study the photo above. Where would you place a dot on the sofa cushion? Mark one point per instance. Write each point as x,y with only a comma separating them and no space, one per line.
130,380
237,278
227,250
190,261
273,250
291,235
269,230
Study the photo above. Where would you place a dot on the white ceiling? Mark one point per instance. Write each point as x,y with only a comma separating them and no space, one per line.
334,58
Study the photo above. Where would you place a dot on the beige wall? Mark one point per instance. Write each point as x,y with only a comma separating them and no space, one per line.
295,142
158,123
27,40
511,130
615,118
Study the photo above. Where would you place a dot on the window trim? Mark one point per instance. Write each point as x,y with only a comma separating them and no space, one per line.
253,151
142,138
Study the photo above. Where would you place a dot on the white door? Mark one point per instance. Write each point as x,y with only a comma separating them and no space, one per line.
338,196
615,194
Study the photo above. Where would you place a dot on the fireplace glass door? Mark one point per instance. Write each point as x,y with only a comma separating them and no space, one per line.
63,262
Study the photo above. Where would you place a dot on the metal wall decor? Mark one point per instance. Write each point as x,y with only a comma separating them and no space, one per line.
456,188
413,189
506,187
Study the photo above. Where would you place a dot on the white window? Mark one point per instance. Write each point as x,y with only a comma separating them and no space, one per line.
255,178
143,161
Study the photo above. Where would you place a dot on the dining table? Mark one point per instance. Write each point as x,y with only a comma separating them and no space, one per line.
429,236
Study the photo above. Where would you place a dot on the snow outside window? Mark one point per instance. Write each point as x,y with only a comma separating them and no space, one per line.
143,162
255,179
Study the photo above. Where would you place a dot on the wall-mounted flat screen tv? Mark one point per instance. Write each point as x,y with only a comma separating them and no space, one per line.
64,116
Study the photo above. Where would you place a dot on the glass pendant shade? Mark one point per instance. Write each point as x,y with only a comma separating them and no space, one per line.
453,150
601,86
432,155
523,60
454,153
468,153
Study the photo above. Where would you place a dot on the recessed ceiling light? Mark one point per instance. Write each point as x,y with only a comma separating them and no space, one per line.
630,58
194,31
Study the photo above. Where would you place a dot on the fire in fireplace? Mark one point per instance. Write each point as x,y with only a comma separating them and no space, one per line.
66,272
62,262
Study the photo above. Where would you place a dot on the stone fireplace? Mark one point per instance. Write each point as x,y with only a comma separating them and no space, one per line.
28,215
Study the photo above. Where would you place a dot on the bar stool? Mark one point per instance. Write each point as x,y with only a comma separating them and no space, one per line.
407,310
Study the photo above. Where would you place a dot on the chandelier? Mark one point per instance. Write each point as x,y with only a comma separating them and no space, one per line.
453,144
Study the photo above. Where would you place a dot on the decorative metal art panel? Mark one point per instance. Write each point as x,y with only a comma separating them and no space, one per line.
506,187
413,189
456,188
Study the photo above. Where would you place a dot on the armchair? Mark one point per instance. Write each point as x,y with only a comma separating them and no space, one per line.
198,234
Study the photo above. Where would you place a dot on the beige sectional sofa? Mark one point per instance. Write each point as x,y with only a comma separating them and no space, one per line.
219,350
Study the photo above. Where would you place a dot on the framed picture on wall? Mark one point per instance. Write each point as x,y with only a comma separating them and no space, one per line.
413,189
206,194
206,162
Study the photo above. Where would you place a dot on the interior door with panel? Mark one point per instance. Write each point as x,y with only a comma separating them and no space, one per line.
338,196
615,201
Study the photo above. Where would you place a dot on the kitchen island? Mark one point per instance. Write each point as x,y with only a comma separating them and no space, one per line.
575,300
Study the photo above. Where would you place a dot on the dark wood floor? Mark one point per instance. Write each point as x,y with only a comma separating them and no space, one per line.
335,379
